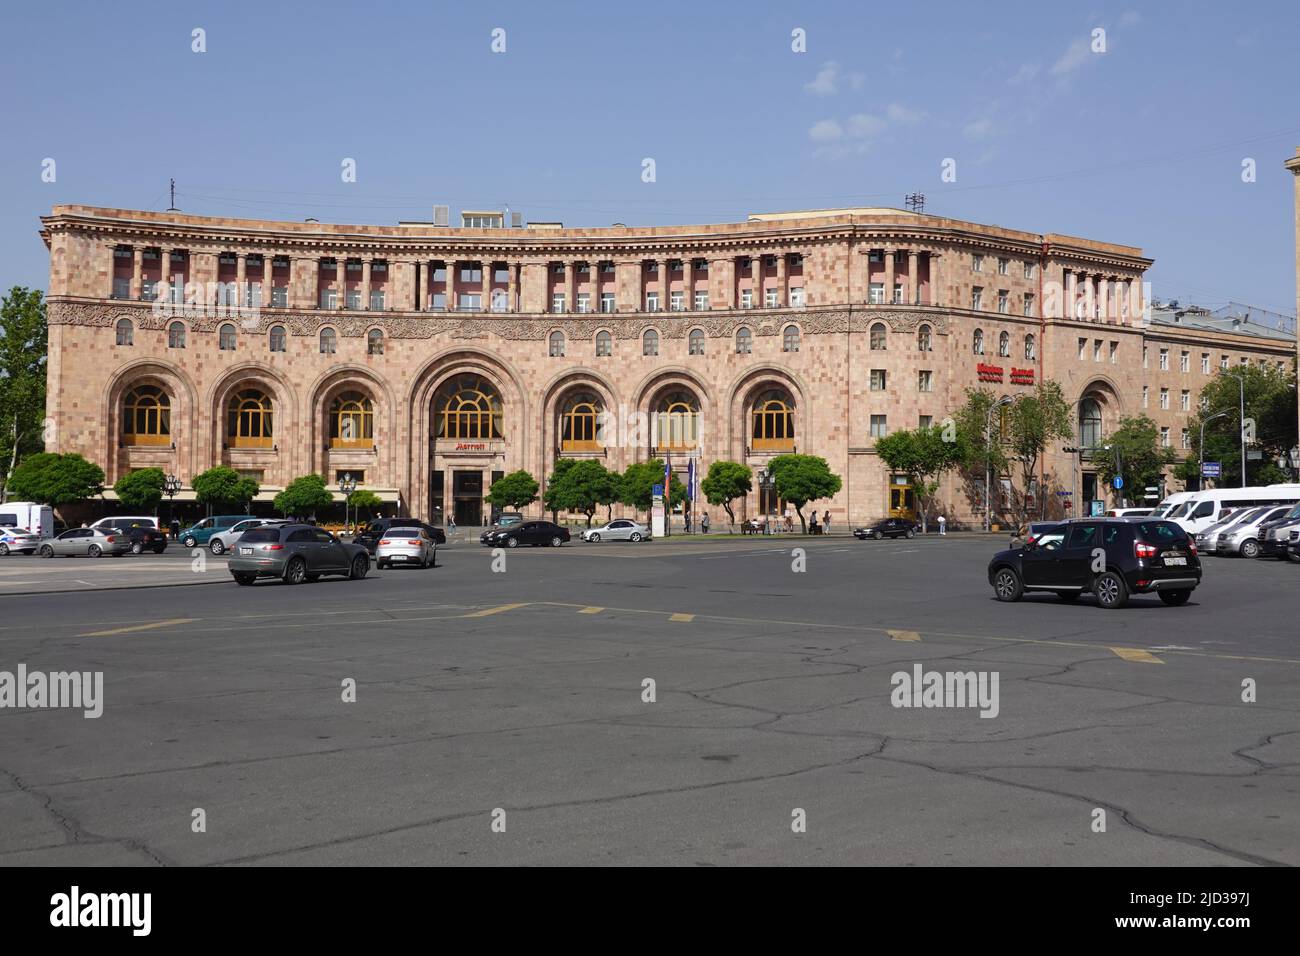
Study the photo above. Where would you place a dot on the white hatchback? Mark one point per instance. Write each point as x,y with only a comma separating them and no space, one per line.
410,546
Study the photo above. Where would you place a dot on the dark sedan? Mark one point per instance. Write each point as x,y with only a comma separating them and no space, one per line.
143,538
369,538
528,532
888,528
294,553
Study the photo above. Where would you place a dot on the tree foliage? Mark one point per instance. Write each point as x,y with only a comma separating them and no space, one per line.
1270,406
1135,447
223,487
141,490
803,478
52,479
23,346
583,487
304,496
515,490
923,455
725,482
636,487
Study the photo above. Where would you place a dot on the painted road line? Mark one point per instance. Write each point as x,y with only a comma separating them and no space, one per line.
140,627
1136,655
682,618
903,635
591,610
501,609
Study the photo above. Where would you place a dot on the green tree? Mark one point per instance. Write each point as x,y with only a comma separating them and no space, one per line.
725,482
516,490
801,479
1135,447
303,497
553,499
584,487
141,490
636,487
223,487
56,480
923,455
363,498
23,346
1270,421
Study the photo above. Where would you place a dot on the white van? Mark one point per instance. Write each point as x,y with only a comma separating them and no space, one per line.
38,519
1204,508
127,521
1170,503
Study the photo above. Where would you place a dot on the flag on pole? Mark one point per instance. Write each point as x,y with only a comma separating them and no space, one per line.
690,480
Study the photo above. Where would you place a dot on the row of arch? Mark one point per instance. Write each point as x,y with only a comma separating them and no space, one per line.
228,336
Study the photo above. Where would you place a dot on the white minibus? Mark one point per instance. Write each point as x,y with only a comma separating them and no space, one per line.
1203,508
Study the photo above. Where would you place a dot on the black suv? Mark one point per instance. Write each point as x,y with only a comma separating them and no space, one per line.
142,537
888,528
1111,558
369,538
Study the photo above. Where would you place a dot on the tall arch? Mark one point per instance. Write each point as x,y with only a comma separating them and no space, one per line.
384,452
288,456
184,417
561,388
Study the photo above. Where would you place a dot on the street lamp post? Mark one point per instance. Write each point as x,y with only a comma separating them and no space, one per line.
1119,473
765,482
347,485
171,487
1200,471
1241,423
988,457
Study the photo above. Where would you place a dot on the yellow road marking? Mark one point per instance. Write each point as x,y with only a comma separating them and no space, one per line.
486,612
140,627
591,610
683,618
1136,655
903,635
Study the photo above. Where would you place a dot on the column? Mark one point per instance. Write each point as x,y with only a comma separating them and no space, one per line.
1090,296
241,279
512,287
268,280
426,285
913,296
664,284
889,275
570,284
449,266
936,278
1104,297
756,267
165,275
1071,294
341,282
688,284
722,282
488,266
137,271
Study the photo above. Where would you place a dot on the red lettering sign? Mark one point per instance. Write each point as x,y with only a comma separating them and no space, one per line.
1022,376
989,373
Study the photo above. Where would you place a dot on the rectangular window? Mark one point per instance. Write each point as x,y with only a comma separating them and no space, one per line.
471,274
469,302
354,298
438,302
676,301
1164,437
376,300
1029,270
121,288
328,299
1083,348
925,381
607,302
1164,360
976,298
1114,353
1029,303
746,298
877,379
1004,300
879,428
976,263
279,297
1146,396
1164,398
652,301
607,267
770,299
1003,266
877,296
584,302
1185,362
796,297
701,300
1223,361
1205,363
924,421
1186,401
1187,440
1144,357
557,302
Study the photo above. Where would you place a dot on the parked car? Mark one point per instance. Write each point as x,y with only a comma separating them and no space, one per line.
126,521
529,532
1128,512
1293,545
141,537
222,541
369,538
1273,535
294,553
403,545
887,528
508,518
620,529
1140,556
91,542
18,540
198,534
1208,539
1242,538
30,517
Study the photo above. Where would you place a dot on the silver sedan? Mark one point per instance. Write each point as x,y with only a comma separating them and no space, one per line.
91,542
410,546
623,529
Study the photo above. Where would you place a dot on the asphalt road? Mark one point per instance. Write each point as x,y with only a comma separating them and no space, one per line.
520,690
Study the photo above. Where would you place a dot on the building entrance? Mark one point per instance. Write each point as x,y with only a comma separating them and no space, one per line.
467,497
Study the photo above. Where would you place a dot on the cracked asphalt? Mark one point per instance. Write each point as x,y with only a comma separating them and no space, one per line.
522,691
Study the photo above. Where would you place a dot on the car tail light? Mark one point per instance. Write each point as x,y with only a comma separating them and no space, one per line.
108,538
1141,550
275,547
385,541
1191,544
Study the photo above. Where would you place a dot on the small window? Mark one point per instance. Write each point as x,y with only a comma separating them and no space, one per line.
226,338
925,381
878,380
878,339
924,339
650,342
277,338
328,342
1004,345
557,345
696,342
977,342
374,342
125,332
744,341
604,344
176,335
790,339
1031,348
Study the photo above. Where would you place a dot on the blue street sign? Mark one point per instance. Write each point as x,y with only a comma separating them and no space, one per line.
1211,469
657,491
1119,482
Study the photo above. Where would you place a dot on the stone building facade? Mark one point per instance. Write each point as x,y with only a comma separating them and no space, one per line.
428,360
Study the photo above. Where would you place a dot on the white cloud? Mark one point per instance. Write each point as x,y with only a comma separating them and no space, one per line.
1026,73
864,125
1075,55
902,115
981,128
827,80
826,131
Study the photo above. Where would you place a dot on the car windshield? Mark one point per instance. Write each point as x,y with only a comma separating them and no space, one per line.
256,535
1179,510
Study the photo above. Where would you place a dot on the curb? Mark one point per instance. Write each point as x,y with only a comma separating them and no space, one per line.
112,587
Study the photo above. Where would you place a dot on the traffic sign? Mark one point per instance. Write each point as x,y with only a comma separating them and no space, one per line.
657,491
1119,482
1211,469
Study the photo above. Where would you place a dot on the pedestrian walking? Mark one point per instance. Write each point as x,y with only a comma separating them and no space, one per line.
704,522
813,527
686,517
943,524
789,520
451,525
826,522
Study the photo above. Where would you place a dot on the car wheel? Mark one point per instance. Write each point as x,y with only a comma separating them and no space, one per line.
1175,598
1111,591
189,542
593,537
1291,556
216,547
1249,549
556,541
137,547
635,536
360,565
46,551
295,572
910,534
95,551
877,536
243,577
380,565
4,549
159,548
1007,586
512,542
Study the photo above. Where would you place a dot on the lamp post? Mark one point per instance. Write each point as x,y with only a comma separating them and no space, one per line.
1200,476
765,483
1241,422
1119,472
171,487
347,485
988,455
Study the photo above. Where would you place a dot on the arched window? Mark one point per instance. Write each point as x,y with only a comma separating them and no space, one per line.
1031,351
146,416
924,339
790,339
604,344
226,338
677,421
696,342
773,422
468,408
557,345
1089,423
352,421
578,423
249,419
878,341
1004,345
125,332
329,342
278,338
744,341
176,335
977,343
374,342
650,342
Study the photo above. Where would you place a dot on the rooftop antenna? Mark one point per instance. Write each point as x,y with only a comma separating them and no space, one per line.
915,201
172,207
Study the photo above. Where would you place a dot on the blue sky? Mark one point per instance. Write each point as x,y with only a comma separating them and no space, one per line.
1141,144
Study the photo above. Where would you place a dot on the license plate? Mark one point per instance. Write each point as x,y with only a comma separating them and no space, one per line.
1175,560
245,550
